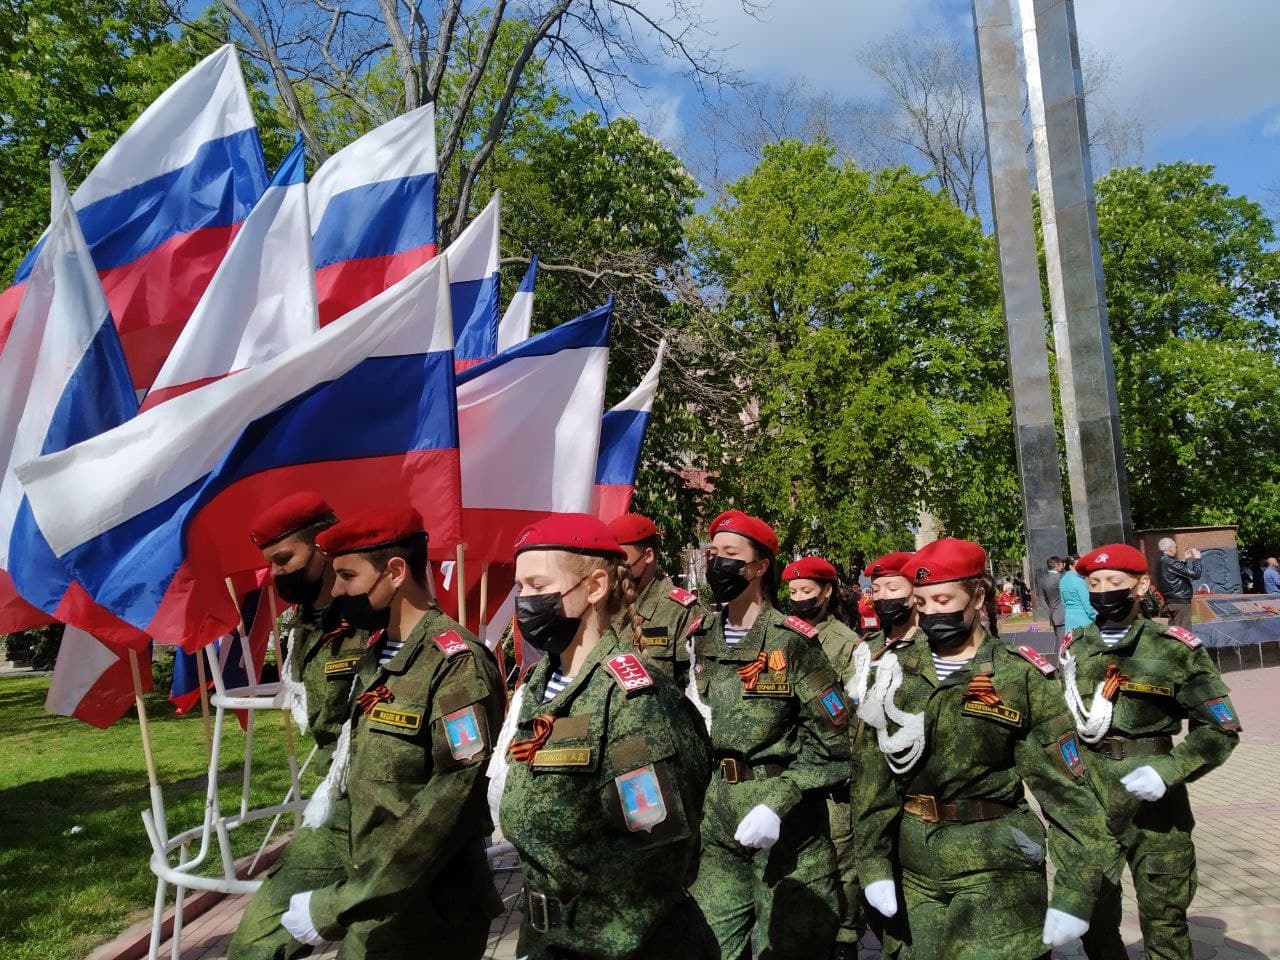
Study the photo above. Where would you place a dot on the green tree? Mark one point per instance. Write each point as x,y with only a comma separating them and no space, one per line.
1193,290
870,353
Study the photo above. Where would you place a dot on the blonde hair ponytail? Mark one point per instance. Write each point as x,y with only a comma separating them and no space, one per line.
623,592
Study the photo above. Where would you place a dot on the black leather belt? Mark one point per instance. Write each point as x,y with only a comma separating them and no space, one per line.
1117,748
734,770
543,912
930,809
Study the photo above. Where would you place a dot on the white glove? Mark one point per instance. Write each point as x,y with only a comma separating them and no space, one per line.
759,829
297,920
880,894
1061,928
1145,784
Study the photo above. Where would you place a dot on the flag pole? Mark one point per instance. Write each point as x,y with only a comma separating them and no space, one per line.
252,674
484,598
290,750
460,580
153,780
204,705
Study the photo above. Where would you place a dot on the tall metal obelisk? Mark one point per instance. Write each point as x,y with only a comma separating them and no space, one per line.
1087,382
1037,440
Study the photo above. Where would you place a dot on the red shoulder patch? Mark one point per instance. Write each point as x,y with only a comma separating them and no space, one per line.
1066,642
629,672
1037,660
802,627
694,627
1186,636
683,597
451,643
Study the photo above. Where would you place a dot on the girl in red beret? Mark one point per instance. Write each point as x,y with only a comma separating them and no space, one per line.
779,730
958,726
600,773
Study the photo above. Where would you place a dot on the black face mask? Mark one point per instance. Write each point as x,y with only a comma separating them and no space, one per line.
807,609
893,612
297,587
946,629
1111,605
358,611
544,623
724,577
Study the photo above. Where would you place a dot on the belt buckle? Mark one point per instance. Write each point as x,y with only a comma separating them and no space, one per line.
1116,749
539,912
731,770
926,807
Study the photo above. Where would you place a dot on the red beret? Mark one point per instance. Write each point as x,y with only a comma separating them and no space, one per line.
289,515
574,532
891,565
809,568
944,561
632,528
757,531
370,530
1113,556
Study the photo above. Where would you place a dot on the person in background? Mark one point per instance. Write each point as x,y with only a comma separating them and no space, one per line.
1049,591
1176,579
1076,611
1271,576
1022,592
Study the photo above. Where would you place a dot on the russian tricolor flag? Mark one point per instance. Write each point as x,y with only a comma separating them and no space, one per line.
621,442
373,210
529,425
262,300
161,207
151,517
65,380
514,327
473,286
93,681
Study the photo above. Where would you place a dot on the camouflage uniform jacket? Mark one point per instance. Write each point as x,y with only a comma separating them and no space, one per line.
1165,677
326,655
793,713
838,642
666,612
605,814
416,779
979,751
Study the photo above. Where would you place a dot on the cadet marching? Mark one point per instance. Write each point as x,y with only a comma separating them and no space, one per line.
716,777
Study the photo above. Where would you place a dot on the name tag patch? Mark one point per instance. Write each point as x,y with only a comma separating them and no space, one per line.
563,757
769,685
1220,710
462,729
402,719
998,712
1069,747
654,637
340,666
1155,689
643,805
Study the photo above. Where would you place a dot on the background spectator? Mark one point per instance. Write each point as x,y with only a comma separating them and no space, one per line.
1051,607
1175,578
1271,575
1077,612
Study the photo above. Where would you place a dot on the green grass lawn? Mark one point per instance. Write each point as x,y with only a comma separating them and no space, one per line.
63,892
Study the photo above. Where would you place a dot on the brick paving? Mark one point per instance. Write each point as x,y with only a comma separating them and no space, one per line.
1236,913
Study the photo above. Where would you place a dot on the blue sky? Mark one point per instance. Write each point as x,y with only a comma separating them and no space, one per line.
1203,75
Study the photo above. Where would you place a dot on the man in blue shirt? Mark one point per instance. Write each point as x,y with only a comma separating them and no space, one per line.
1076,609
1271,575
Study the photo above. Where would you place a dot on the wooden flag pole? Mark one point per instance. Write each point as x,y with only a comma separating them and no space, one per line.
286,713
460,585
251,673
143,728
484,598
204,703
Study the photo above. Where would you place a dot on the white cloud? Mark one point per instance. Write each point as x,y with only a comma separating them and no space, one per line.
1187,66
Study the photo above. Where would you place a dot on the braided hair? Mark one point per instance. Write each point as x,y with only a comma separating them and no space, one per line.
623,592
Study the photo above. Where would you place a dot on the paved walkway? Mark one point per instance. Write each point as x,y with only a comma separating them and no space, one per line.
1235,916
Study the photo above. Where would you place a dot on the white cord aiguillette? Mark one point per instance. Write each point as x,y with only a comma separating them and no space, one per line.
1092,722
902,749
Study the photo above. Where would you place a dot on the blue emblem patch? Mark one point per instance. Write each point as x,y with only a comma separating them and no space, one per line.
833,703
462,729
1220,710
643,806
1070,750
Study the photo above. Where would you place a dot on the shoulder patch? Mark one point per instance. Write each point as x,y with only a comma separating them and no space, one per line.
1066,642
802,627
1186,636
451,643
694,627
1037,660
683,597
629,672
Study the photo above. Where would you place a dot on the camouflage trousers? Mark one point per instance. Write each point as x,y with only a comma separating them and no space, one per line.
783,898
448,916
313,859
681,934
974,891
1157,844
848,890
